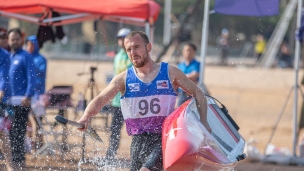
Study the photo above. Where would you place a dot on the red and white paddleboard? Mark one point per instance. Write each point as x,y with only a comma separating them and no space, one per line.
187,145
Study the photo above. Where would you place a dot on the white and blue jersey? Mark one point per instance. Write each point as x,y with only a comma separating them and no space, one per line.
146,105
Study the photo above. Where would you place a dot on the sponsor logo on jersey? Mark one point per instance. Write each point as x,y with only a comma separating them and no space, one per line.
134,87
162,84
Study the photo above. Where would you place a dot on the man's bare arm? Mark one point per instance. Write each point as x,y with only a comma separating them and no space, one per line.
180,80
105,96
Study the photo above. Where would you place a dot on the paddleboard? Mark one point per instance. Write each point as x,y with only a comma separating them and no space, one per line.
187,145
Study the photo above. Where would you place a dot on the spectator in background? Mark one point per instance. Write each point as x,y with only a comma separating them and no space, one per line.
191,67
40,63
5,93
3,43
259,47
121,63
22,77
285,58
224,45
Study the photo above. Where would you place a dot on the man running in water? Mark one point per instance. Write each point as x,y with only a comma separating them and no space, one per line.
146,101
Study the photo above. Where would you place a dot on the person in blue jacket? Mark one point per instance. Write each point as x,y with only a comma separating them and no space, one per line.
40,63
5,89
22,77
5,93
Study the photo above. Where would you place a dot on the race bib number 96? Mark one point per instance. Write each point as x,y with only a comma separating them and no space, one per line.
145,106
140,107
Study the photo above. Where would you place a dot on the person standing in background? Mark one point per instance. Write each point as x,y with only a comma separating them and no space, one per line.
32,46
285,57
191,67
3,43
224,45
22,77
259,47
121,63
5,93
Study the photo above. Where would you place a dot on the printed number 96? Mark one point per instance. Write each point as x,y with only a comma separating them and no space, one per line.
144,106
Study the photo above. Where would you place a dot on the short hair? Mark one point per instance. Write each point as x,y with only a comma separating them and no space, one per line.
15,30
192,45
143,35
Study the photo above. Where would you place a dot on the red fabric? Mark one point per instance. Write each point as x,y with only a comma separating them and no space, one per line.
143,9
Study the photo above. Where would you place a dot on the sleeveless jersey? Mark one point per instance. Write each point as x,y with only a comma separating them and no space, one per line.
146,105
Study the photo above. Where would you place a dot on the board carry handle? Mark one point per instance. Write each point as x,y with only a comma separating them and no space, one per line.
225,111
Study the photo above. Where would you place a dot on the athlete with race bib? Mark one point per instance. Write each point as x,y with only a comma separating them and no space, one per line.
148,96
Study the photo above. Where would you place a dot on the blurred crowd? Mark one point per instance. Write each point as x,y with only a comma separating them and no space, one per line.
22,82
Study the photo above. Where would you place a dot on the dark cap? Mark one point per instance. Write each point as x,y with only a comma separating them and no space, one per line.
3,32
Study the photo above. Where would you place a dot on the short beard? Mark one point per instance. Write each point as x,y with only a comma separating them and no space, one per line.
141,63
15,49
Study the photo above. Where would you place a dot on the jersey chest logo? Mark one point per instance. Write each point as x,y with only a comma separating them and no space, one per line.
134,87
162,84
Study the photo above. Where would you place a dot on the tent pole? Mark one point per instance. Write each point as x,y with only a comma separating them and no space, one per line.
296,71
152,34
204,43
20,17
167,22
147,29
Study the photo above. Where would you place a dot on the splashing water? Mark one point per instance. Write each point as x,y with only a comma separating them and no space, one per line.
105,164
109,168
108,164
80,163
